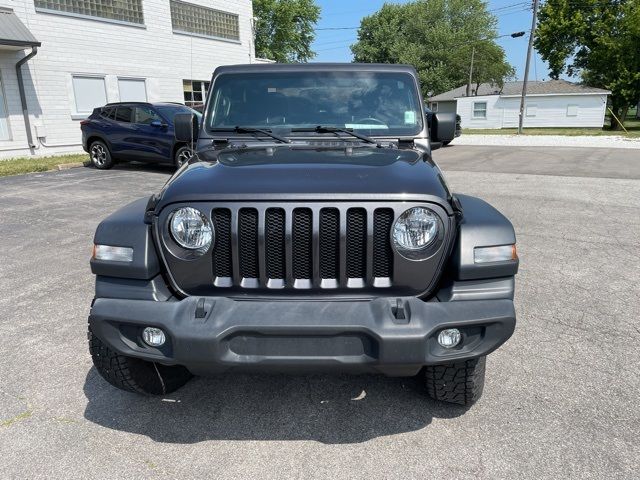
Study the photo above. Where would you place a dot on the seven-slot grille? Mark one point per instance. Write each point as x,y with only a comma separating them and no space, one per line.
302,247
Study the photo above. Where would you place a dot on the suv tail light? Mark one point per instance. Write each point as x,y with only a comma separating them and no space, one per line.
85,122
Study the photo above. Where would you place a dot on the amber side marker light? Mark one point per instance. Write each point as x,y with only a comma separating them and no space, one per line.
112,254
501,253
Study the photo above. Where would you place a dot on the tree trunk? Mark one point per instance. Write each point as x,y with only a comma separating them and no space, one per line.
616,114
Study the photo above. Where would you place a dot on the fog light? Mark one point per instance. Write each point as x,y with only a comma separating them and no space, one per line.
154,337
449,338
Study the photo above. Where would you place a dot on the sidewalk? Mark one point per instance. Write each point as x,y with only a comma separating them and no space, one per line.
602,141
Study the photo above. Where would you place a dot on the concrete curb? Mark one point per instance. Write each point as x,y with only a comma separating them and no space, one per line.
67,166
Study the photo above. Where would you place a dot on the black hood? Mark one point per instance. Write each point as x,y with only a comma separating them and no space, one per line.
293,170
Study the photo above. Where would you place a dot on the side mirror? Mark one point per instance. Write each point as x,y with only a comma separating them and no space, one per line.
157,124
186,126
443,129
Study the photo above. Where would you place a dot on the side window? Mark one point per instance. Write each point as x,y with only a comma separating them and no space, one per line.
145,115
123,114
108,112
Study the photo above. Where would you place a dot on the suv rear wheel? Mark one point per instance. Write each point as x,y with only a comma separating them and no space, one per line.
135,375
100,155
182,156
460,382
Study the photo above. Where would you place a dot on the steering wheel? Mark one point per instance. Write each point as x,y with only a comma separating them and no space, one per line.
366,120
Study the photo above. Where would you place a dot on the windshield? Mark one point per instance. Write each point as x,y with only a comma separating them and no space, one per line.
373,103
169,111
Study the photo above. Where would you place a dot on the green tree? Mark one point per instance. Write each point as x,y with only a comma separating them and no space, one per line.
596,40
285,29
436,37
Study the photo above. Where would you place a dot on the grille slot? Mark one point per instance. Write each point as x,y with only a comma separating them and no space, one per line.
248,242
221,256
301,238
356,243
274,243
329,243
382,253
302,247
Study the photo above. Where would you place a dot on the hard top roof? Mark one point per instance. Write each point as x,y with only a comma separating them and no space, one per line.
314,67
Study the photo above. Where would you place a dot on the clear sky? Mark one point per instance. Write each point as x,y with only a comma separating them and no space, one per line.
333,45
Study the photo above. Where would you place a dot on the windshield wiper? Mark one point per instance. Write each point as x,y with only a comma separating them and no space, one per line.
240,129
329,129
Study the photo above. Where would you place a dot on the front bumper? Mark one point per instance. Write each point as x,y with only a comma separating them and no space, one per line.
209,335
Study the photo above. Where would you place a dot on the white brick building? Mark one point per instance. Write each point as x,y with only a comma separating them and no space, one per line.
97,51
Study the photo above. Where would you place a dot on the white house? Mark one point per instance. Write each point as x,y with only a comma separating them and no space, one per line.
74,55
553,103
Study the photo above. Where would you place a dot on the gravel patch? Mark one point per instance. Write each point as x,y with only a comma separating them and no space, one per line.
609,141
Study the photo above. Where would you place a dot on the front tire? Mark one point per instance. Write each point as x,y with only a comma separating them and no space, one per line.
135,375
100,155
459,382
182,156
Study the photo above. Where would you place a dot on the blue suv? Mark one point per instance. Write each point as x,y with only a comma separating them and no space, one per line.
134,131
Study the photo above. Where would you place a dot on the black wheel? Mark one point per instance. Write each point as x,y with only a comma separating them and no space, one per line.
100,155
460,382
182,156
135,375
446,142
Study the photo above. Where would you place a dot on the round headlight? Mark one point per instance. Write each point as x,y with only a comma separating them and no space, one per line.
415,229
191,229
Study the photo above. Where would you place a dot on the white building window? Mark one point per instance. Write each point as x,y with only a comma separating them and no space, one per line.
572,110
124,11
5,133
203,21
479,109
532,110
89,93
434,107
195,92
132,90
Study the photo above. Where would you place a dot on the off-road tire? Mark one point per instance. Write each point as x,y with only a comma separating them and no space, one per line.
446,142
460,382
135,375
100,155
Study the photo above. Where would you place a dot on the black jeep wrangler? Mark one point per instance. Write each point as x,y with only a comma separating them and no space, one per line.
311,232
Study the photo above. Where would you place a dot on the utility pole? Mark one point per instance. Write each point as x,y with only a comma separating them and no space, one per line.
473,53
526,68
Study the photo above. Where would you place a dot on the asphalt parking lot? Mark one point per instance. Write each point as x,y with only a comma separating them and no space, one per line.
561,399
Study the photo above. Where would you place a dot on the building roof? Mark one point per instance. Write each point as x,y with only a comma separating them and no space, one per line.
13,32
549,87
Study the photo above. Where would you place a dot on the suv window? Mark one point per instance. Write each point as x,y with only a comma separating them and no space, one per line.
123,114
146,115
108,112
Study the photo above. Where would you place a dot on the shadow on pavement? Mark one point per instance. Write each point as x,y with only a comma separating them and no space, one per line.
331,409
145,167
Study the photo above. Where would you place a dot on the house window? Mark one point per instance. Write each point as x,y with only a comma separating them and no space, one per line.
434,107
132,90
532,110
126,11
572,110
5,134
195,92
479,109
207,22
89,93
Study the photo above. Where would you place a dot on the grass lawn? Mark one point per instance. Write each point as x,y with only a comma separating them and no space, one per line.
17,166
633,133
